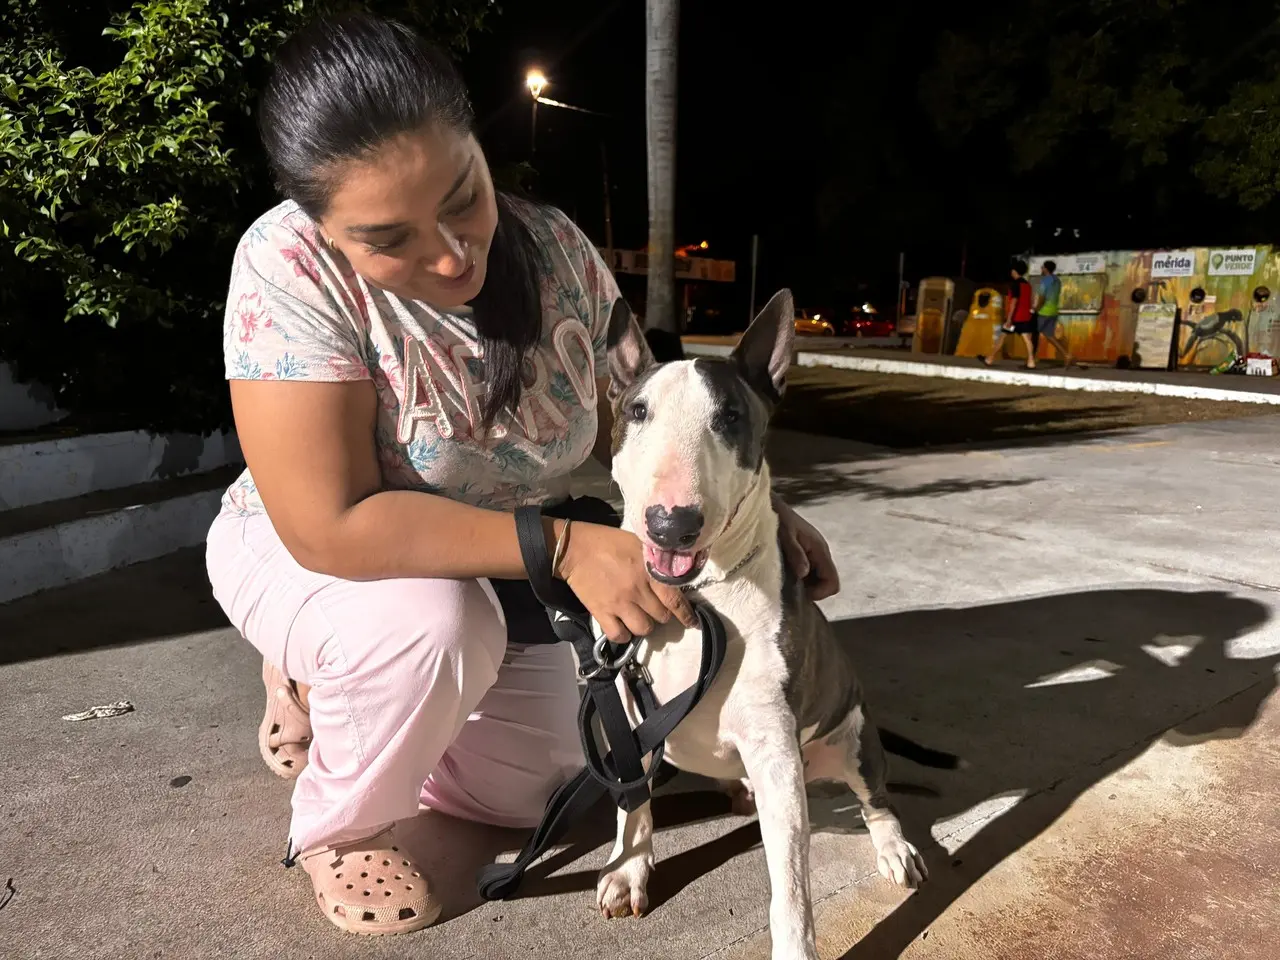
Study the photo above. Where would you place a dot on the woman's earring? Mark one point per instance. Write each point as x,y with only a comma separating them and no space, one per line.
332,245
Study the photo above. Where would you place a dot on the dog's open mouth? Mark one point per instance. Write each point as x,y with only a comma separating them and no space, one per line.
675,567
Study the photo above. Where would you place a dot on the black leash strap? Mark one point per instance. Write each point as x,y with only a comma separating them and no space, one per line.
619,773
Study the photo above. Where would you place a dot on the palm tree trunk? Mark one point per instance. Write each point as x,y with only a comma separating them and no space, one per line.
663,17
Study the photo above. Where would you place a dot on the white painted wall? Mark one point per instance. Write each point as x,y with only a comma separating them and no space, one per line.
73,466
89,545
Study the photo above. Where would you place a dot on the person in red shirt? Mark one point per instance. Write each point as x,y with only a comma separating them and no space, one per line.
1019,318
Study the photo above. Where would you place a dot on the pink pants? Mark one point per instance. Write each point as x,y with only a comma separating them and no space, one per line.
416,694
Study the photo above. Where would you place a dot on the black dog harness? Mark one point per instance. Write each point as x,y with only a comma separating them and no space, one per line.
547,611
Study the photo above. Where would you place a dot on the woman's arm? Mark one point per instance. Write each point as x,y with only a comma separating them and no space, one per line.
310,449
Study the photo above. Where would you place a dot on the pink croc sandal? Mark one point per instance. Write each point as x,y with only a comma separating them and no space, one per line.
285,734
371,887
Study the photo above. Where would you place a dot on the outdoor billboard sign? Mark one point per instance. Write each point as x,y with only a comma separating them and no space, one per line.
1239,262
1073,264
1173,263
687,268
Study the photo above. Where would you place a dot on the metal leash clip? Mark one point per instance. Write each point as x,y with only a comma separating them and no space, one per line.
599,653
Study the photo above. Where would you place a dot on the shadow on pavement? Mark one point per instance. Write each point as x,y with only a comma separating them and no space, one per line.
910,413
1142,664
1043,697
150,601
817,481
808,467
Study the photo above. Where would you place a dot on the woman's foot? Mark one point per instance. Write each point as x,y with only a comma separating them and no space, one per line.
284,737
371,887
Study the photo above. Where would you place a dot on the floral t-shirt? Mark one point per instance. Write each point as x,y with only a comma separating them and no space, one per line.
297,311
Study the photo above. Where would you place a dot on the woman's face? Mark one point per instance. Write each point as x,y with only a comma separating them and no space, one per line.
416,217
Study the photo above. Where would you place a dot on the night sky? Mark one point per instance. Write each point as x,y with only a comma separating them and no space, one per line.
742,157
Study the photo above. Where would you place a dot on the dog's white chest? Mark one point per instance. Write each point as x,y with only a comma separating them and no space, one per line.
753,675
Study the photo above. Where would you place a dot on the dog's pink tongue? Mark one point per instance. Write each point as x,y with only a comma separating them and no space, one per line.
669,563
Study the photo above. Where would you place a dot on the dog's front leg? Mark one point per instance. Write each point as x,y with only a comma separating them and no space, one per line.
771,754
623,887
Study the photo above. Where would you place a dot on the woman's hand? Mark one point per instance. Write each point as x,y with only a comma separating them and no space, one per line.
605,569
807,552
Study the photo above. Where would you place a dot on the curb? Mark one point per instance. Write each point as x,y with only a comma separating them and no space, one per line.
41,471
80,548
912,368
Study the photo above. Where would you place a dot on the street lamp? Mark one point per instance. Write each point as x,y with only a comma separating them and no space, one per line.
536,81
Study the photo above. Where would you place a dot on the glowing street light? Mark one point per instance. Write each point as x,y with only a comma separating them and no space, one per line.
536,81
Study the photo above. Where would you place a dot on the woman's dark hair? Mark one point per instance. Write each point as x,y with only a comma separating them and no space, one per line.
342,87
1019,266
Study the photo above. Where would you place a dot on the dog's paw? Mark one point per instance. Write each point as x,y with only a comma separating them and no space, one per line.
623,890
899,861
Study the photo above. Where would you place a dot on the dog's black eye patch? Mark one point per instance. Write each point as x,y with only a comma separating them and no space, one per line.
727,421
736,419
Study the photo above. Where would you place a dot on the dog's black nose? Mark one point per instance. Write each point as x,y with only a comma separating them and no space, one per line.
674,529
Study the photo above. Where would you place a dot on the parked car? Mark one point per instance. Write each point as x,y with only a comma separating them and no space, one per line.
864,322
813,325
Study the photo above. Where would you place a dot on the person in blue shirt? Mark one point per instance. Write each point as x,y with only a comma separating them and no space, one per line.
1048,297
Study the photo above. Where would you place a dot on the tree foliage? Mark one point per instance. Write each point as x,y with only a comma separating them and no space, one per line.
1177,87
129,166
1101,123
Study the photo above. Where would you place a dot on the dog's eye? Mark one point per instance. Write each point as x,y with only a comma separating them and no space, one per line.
638,411
729,415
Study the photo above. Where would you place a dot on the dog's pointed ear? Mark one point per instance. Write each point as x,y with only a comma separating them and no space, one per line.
764,352
629,355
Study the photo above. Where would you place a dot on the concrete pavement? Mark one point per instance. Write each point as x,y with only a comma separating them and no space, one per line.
1089,624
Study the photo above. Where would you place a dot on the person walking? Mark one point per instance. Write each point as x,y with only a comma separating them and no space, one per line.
1018,315
1048,297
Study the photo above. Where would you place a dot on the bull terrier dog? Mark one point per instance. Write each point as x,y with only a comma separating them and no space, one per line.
786,708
